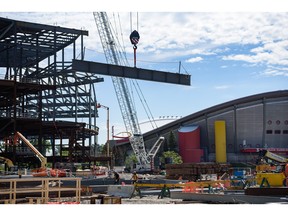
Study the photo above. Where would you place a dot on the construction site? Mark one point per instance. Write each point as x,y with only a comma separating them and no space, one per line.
234,152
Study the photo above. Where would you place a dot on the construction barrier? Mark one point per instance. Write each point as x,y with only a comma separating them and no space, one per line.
211,186
120,190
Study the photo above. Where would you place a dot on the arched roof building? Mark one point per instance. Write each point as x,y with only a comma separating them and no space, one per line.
253,122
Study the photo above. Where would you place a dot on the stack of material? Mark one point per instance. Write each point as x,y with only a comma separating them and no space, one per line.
193,171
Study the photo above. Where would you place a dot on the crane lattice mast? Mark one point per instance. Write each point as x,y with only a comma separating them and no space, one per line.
128,111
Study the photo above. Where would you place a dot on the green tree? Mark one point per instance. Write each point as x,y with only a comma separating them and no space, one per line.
176,158
47,146
130,160
172,144
103,149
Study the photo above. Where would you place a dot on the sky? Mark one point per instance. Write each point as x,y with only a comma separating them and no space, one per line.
231,53
231,49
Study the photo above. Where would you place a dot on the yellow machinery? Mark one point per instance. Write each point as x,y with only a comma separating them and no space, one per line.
9,164
271,179
272,174
42,159
7,161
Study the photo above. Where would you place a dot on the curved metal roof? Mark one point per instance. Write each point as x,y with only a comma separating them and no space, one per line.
241,102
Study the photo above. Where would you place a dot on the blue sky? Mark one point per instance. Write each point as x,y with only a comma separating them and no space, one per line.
229,55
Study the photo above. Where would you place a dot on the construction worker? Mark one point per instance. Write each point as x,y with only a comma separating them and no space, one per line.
134,178
19,173
116,177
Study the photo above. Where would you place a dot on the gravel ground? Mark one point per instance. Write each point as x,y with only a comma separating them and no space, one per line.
149,199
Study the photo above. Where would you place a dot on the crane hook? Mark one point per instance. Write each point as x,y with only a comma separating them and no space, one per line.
134,38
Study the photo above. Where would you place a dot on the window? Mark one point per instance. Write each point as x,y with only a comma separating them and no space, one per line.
277,132
268,131
285,131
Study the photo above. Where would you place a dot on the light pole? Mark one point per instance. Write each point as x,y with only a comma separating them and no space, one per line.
107,108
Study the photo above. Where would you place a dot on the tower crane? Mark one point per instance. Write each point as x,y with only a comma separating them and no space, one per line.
115,56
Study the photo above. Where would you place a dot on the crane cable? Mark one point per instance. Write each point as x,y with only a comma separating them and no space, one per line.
136,86
134,82
137,23
134,37
145,104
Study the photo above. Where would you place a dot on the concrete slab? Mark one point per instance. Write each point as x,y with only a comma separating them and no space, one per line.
120,190
228,198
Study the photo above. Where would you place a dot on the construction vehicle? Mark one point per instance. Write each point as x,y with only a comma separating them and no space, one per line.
9,164
43,160
271,169
267,155
128,111
43,171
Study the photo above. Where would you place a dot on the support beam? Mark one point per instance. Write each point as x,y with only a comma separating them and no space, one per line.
131,72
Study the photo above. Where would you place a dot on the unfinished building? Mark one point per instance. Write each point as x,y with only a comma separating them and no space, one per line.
42,97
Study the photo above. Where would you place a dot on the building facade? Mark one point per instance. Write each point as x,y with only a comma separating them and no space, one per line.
253,122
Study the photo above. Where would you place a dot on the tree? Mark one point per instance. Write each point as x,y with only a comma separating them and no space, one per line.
176,158
45,143
130,160
172,144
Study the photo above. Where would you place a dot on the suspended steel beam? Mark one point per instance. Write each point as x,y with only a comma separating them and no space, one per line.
131,72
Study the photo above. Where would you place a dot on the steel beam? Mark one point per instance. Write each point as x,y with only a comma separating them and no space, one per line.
131,72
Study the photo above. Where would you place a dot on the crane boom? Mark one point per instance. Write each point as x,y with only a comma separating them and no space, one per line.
115,56
42,159
128,111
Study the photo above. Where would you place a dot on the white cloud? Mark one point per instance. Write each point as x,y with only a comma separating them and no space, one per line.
241,57
272,53
275,71
176,35
193,60
221,87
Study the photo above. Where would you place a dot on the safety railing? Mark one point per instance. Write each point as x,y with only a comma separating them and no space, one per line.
41,189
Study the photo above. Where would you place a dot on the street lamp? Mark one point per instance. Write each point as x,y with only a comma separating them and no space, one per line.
107,108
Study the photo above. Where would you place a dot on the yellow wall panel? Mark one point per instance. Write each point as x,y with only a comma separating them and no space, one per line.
220,141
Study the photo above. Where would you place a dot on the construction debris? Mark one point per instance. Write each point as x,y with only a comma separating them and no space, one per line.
193,171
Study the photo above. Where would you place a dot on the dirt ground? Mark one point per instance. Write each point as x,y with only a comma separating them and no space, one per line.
149,199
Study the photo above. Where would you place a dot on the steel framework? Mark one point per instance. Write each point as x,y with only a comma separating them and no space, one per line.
40,54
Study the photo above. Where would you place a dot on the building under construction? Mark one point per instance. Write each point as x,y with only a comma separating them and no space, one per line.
43,96
39,89
47,87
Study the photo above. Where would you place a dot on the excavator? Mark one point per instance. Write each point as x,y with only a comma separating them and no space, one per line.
271,169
